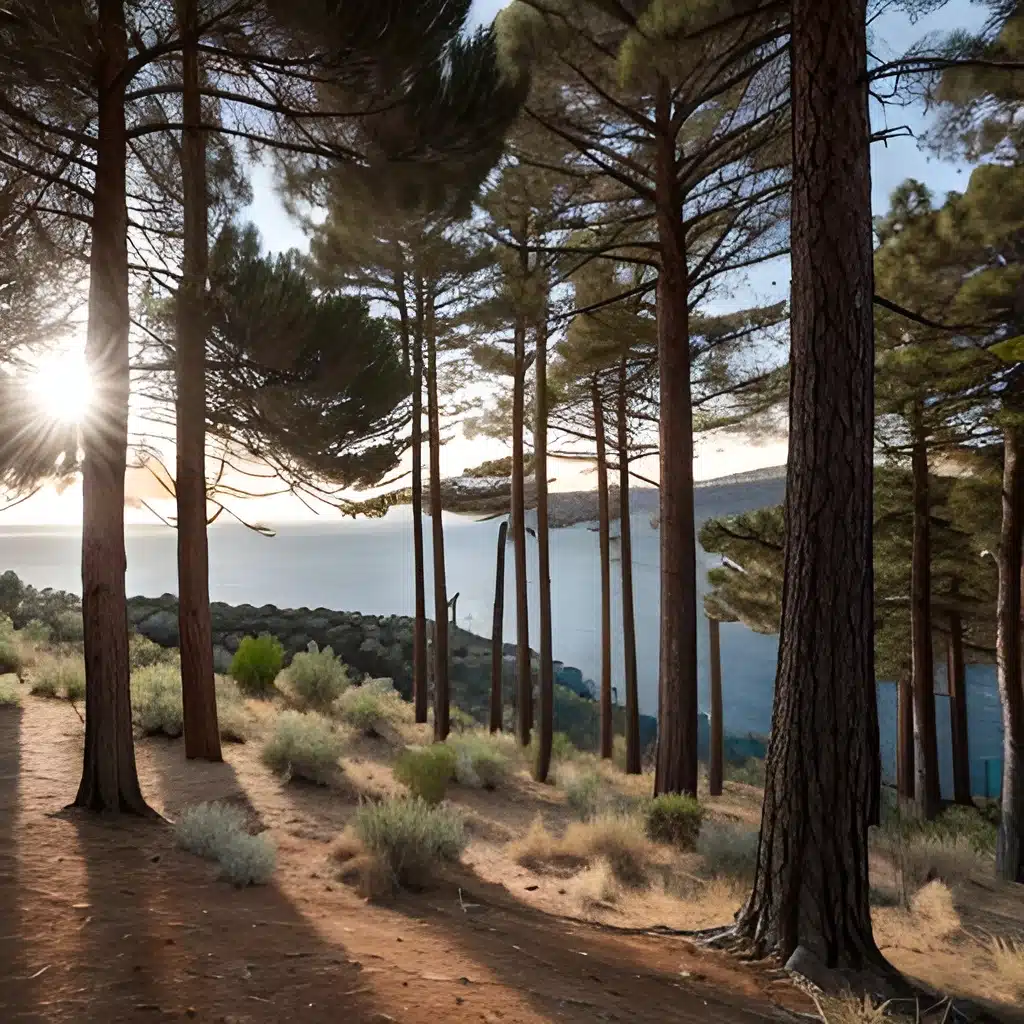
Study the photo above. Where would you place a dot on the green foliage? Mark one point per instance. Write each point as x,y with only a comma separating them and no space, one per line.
232,717
750,772
256,664
372,707
479,762
411,837
10,694
305,746
12,590
143,652
217,832
317,677
37,632
674,818
426,771
12,661
68,627
956,824
583,794
460,721
728,850
156,700
57,676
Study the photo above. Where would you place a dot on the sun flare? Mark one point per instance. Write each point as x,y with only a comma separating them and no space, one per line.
62,386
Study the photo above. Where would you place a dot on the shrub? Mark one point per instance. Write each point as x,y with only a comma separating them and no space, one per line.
749,772
426,771
12,662
59,677
619,752
411,838
37,632
156,701
143,652
461,721
478,762
372,707
562,748
583,793
68,627
232,718
217,832
729,851
317,677
256,664
618,839
10,695
675,819
935,911
304,745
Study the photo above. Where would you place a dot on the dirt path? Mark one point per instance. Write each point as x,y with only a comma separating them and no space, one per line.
108,922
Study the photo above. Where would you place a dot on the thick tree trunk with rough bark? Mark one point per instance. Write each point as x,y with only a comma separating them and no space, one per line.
677,675
604,533
956,683
905,737
419,632
809,902
716,764
928,797
441,628
109,781
546,724
195,630
497,633
634,759
524,672
1010,840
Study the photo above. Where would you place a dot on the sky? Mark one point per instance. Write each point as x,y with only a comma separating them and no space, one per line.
715,456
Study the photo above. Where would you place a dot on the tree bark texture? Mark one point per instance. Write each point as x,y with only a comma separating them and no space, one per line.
546,725
604,532
441,628
957,685
928,797
497,633
634,759
524,672
109,781
1010,840
809,902
676,770
716,765
195,630
419,633
905,737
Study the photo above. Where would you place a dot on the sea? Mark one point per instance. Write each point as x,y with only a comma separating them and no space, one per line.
367,566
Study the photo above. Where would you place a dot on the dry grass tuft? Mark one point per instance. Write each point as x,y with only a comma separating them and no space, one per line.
856,1010
1008,955
539,850
597,888
933,909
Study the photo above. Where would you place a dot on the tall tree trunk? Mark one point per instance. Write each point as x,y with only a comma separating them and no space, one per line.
716,764
524,672
195,630
441,629
809,902
604,520
677,675
634,760
419,629
540,470
110,781
1010,840
926,748
497,633
956,684
905,737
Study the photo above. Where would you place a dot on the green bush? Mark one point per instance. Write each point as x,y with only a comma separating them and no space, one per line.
461,721
372,707
749,772
729,851
10,695
217,832
68,627
232,717
58,677
143,652
74,686
411,838
317,677
12,662
304,745
37,632
969,825
426,771
583,793
156,700
675,819
256,664
478,761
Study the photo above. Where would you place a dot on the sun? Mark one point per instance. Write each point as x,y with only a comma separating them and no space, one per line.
62,386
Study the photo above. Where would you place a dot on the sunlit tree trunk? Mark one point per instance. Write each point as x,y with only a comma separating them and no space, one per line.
545,729
604,532
497,633
524,673
419,630
110,781
195,630
810,899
